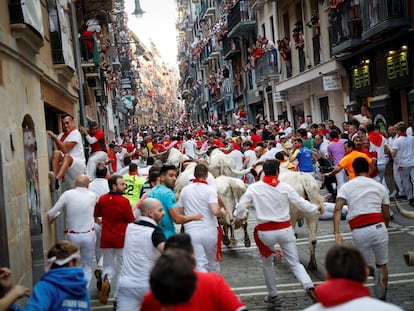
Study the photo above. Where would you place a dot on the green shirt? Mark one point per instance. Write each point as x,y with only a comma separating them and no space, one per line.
133,191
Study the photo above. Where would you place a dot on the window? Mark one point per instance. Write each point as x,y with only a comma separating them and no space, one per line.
324,104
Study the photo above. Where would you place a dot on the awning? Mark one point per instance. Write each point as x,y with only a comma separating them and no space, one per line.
379,98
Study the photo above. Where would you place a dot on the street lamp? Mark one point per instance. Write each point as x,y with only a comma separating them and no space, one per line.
138,11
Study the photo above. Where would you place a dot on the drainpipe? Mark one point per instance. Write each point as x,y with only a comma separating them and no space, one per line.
79,71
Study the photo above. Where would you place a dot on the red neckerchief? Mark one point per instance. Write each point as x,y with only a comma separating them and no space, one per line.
402,134
133,174
66,134
335,139
271,180
335,292
375,138
200,181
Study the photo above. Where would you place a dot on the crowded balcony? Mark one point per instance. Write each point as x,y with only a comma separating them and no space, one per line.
345,27
266,67
383,16
231,48
241,21
208,9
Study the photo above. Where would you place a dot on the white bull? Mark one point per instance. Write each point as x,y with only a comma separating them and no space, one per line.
220,164
230,190
308,188
176,158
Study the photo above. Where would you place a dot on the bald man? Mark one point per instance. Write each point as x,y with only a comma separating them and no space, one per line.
80,205
143,235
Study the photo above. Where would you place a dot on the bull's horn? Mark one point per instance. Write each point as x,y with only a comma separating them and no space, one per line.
242,172
409,258
402,211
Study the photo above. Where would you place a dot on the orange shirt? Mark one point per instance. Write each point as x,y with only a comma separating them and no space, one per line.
348,159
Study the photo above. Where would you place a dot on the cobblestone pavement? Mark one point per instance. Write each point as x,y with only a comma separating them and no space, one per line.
242,267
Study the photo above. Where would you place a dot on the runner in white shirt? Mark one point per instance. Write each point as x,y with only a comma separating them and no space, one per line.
189,147
68,160
270,199
79,204
199,197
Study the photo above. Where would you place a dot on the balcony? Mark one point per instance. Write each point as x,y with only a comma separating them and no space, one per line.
383,16
231,48
208,9
241,21
345,30
266,67
26,24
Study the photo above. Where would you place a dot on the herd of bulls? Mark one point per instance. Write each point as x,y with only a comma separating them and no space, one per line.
222,167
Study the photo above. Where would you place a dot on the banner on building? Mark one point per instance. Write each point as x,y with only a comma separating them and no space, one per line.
32,14
65,37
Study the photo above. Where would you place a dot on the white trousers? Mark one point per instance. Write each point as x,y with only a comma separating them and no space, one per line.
372,240
86,244
407,177
205,247
112,263
130,298
397,178
341,178
94,159
287,241
98,250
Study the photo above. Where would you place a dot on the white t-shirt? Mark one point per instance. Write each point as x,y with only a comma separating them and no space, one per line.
252,157
405,150
363,195
189,148
364,303
237,156
99,186
195,198
80,206
137,265
77,151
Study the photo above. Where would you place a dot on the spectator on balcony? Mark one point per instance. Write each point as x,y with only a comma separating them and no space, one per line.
95,29
285,53
244,10
314,23
270,46
299,44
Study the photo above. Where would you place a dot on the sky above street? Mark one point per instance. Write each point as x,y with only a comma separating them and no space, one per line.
157,25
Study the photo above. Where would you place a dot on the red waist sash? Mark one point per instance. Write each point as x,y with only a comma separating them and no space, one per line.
264,250
365,220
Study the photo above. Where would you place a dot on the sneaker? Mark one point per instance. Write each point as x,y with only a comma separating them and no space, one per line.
411,201
104,292
379,288
394,193
312,295
98,276
275,300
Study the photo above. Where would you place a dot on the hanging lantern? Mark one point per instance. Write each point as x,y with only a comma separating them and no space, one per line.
138,11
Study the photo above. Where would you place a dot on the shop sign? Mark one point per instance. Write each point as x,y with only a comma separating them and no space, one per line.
397,68
332,83
279,97
361,77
